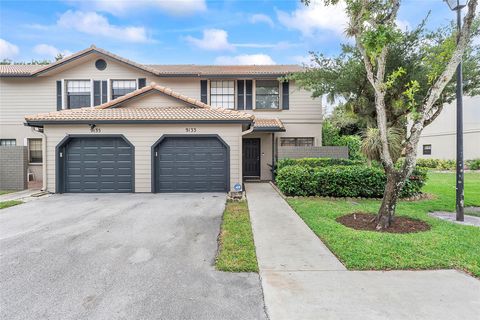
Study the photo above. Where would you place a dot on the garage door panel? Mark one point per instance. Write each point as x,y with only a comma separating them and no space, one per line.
100,164
191,164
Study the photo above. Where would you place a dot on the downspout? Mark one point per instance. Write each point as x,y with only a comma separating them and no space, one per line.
44,155
273,156
248,130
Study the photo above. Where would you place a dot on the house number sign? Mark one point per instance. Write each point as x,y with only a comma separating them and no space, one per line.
190,130
95,129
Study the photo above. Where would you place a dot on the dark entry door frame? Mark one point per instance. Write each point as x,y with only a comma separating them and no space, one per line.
251,154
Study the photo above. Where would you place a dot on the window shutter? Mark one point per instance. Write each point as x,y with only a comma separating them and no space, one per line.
96,93
142,82
248,94
104,91
203,91
285,95
59,95
241,94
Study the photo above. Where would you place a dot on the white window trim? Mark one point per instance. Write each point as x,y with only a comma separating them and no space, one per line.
110,85
92,103
64,96
109,89
235,107
65,93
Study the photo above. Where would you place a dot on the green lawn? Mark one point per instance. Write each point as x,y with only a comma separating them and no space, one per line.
446,245
236,247
11,203
2,192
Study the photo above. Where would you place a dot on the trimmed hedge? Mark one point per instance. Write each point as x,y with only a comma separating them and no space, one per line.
438,164
473,164
342,181
317,162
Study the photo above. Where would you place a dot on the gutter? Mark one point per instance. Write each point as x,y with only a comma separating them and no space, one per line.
40,123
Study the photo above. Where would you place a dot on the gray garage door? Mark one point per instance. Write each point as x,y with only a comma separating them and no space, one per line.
191,164
98,165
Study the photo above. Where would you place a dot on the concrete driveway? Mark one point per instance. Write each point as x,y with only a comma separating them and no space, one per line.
119,256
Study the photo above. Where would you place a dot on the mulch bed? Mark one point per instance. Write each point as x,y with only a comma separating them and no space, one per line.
363,221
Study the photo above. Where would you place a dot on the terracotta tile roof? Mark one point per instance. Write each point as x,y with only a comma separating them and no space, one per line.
18,69
153,86
157,69
140,114
209,70
261,124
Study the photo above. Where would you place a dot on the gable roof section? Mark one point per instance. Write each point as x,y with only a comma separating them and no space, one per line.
36,70
157,70
152,88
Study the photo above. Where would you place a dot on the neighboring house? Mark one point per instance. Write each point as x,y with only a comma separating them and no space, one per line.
438,140
96,122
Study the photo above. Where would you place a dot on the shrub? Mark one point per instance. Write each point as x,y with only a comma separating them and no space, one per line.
438,164
331,137
473,164
342,181
318,162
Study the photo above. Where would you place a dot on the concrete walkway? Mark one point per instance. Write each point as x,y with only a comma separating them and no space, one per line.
24,195
302,279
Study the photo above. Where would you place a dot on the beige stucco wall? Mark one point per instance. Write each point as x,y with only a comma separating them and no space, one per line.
441,134
143,137
265,153
24,96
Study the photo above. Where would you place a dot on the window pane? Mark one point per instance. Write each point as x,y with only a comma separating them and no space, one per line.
78,93
8,142
123,87
222,94
296,142
35,150
267,102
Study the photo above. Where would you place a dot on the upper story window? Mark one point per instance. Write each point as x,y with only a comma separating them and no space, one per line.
35,151
78,93
122,87
8,142
267,94
222,93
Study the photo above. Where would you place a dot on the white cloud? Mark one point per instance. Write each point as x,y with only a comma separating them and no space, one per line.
314,18
96,24
213,39
46,50
245,59
304,60
261,18
279,45
123,7
403,24
7,50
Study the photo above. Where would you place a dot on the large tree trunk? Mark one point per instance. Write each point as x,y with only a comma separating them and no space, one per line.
386,213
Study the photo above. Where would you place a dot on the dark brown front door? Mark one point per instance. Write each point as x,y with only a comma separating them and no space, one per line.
251,157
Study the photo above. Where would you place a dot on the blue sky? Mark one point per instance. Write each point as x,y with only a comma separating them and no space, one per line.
186,31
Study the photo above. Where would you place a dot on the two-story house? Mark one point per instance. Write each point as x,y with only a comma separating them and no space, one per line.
97,122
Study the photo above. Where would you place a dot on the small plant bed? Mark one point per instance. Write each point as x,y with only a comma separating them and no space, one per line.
236,251
11,203
366,221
